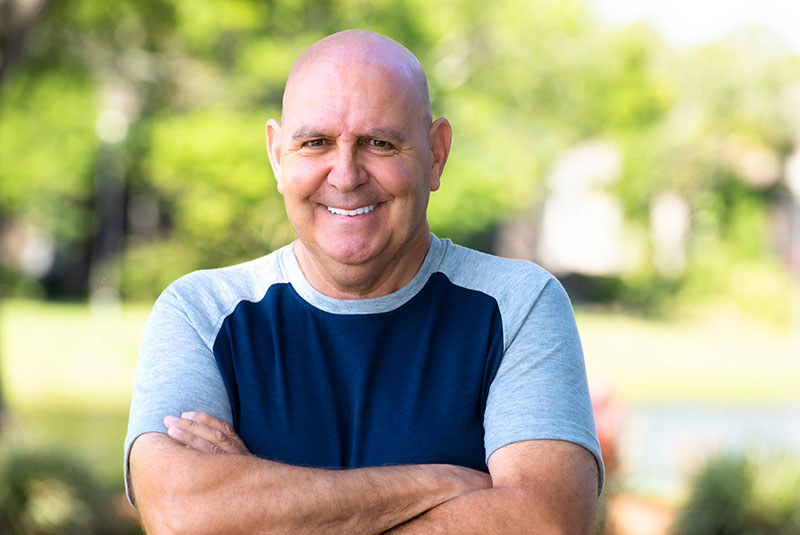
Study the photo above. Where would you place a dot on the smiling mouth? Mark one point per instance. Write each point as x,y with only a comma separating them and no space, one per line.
351,213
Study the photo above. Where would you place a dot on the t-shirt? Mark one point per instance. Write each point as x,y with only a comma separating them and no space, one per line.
474,353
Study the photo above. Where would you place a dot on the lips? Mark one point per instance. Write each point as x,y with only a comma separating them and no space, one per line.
351,213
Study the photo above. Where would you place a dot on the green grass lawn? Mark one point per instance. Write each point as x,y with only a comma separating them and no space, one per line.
69,354
722,359
67,370
67,373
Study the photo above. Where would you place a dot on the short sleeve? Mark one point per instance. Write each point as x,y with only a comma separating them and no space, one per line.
176,372
540,390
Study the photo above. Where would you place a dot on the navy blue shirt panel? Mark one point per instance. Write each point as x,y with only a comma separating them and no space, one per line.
313,388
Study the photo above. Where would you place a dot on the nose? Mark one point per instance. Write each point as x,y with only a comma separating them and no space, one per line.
346,174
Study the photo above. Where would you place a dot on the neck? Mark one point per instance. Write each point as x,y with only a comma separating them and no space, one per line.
361,281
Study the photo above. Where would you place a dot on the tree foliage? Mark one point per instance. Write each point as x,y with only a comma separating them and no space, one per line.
166,102
743,494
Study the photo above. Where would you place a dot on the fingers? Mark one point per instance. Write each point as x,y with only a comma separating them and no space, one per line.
205,433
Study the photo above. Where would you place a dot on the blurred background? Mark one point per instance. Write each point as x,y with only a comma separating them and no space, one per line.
647,153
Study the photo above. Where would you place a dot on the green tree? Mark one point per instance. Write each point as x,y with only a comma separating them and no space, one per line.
132,132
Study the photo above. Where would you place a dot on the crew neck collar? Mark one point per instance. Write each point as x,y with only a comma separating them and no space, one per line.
370,305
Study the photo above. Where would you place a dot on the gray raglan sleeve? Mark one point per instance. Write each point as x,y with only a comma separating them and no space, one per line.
540,390
175,372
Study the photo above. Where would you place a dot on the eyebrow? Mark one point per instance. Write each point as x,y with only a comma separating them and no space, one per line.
388,134
307,133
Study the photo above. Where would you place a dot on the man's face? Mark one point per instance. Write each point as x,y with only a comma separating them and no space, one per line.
354,163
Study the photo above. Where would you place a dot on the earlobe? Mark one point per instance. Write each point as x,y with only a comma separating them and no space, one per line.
273,135
440,137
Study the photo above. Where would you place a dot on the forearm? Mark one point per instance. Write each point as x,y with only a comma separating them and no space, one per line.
559,496
184,491
493,511
465,514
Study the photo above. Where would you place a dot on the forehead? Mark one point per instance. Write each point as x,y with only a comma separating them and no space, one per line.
351,92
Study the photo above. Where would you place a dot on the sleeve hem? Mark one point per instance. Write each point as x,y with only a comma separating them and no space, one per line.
567,432
127,467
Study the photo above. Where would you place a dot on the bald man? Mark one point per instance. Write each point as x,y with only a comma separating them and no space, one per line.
369,377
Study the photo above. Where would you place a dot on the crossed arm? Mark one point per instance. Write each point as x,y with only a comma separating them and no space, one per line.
202,479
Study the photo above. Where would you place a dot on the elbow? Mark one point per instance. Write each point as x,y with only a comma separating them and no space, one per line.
572,515
171,520
576,522
154,525
169,500
175,513
165,508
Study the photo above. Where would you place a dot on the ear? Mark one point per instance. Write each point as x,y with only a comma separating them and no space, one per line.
273,132
440,136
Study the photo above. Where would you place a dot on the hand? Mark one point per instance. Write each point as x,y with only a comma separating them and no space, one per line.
205,433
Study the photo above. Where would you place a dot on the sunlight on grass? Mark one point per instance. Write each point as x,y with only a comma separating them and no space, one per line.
69,354
719,359
67,374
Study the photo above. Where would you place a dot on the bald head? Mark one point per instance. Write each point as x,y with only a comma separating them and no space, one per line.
356,156
348,49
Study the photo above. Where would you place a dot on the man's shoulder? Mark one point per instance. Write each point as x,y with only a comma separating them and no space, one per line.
495,275
245,279
207,296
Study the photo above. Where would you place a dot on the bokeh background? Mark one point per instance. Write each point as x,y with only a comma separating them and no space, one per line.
649,157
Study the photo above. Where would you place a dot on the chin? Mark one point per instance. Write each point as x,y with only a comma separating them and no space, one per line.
351,257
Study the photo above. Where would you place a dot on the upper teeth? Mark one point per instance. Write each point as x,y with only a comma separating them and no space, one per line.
357,211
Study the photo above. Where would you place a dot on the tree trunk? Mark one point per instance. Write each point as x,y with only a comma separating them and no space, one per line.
3,409
16,19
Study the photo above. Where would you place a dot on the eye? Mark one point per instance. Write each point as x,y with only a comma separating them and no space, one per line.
379,144
315,143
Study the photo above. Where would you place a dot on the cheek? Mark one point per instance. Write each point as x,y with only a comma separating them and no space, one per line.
401,180
301,178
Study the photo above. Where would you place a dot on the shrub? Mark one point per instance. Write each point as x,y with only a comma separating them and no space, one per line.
47,491
743,494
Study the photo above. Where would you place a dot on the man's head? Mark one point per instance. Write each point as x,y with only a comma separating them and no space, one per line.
356,157
370,46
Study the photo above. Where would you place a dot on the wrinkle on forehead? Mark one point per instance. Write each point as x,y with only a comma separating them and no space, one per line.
365,47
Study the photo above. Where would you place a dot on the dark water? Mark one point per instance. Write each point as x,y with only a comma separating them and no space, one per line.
663,444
